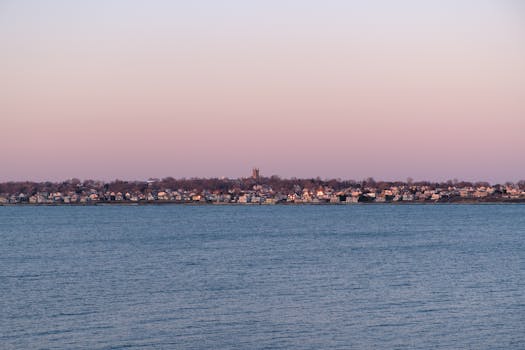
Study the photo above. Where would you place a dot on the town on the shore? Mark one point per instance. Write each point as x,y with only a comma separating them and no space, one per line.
256,190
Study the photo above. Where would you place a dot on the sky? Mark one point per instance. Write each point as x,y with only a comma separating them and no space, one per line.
432,90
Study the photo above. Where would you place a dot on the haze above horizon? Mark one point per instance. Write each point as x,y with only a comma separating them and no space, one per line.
431,90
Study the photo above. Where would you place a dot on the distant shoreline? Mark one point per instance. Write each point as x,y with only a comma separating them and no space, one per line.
256,190
162,203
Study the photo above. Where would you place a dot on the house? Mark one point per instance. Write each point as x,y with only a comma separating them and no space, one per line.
408,197
380,199
351,200
269,201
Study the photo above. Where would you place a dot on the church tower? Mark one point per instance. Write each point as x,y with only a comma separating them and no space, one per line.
255,173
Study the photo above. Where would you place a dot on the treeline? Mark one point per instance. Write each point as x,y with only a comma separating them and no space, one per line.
224,185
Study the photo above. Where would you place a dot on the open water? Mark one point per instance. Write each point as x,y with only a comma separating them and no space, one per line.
263,277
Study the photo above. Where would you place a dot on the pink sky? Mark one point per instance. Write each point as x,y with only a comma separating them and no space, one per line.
125,89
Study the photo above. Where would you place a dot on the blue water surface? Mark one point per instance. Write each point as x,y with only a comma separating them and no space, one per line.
263,277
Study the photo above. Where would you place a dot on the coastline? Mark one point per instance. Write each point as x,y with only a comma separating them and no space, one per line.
161,203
